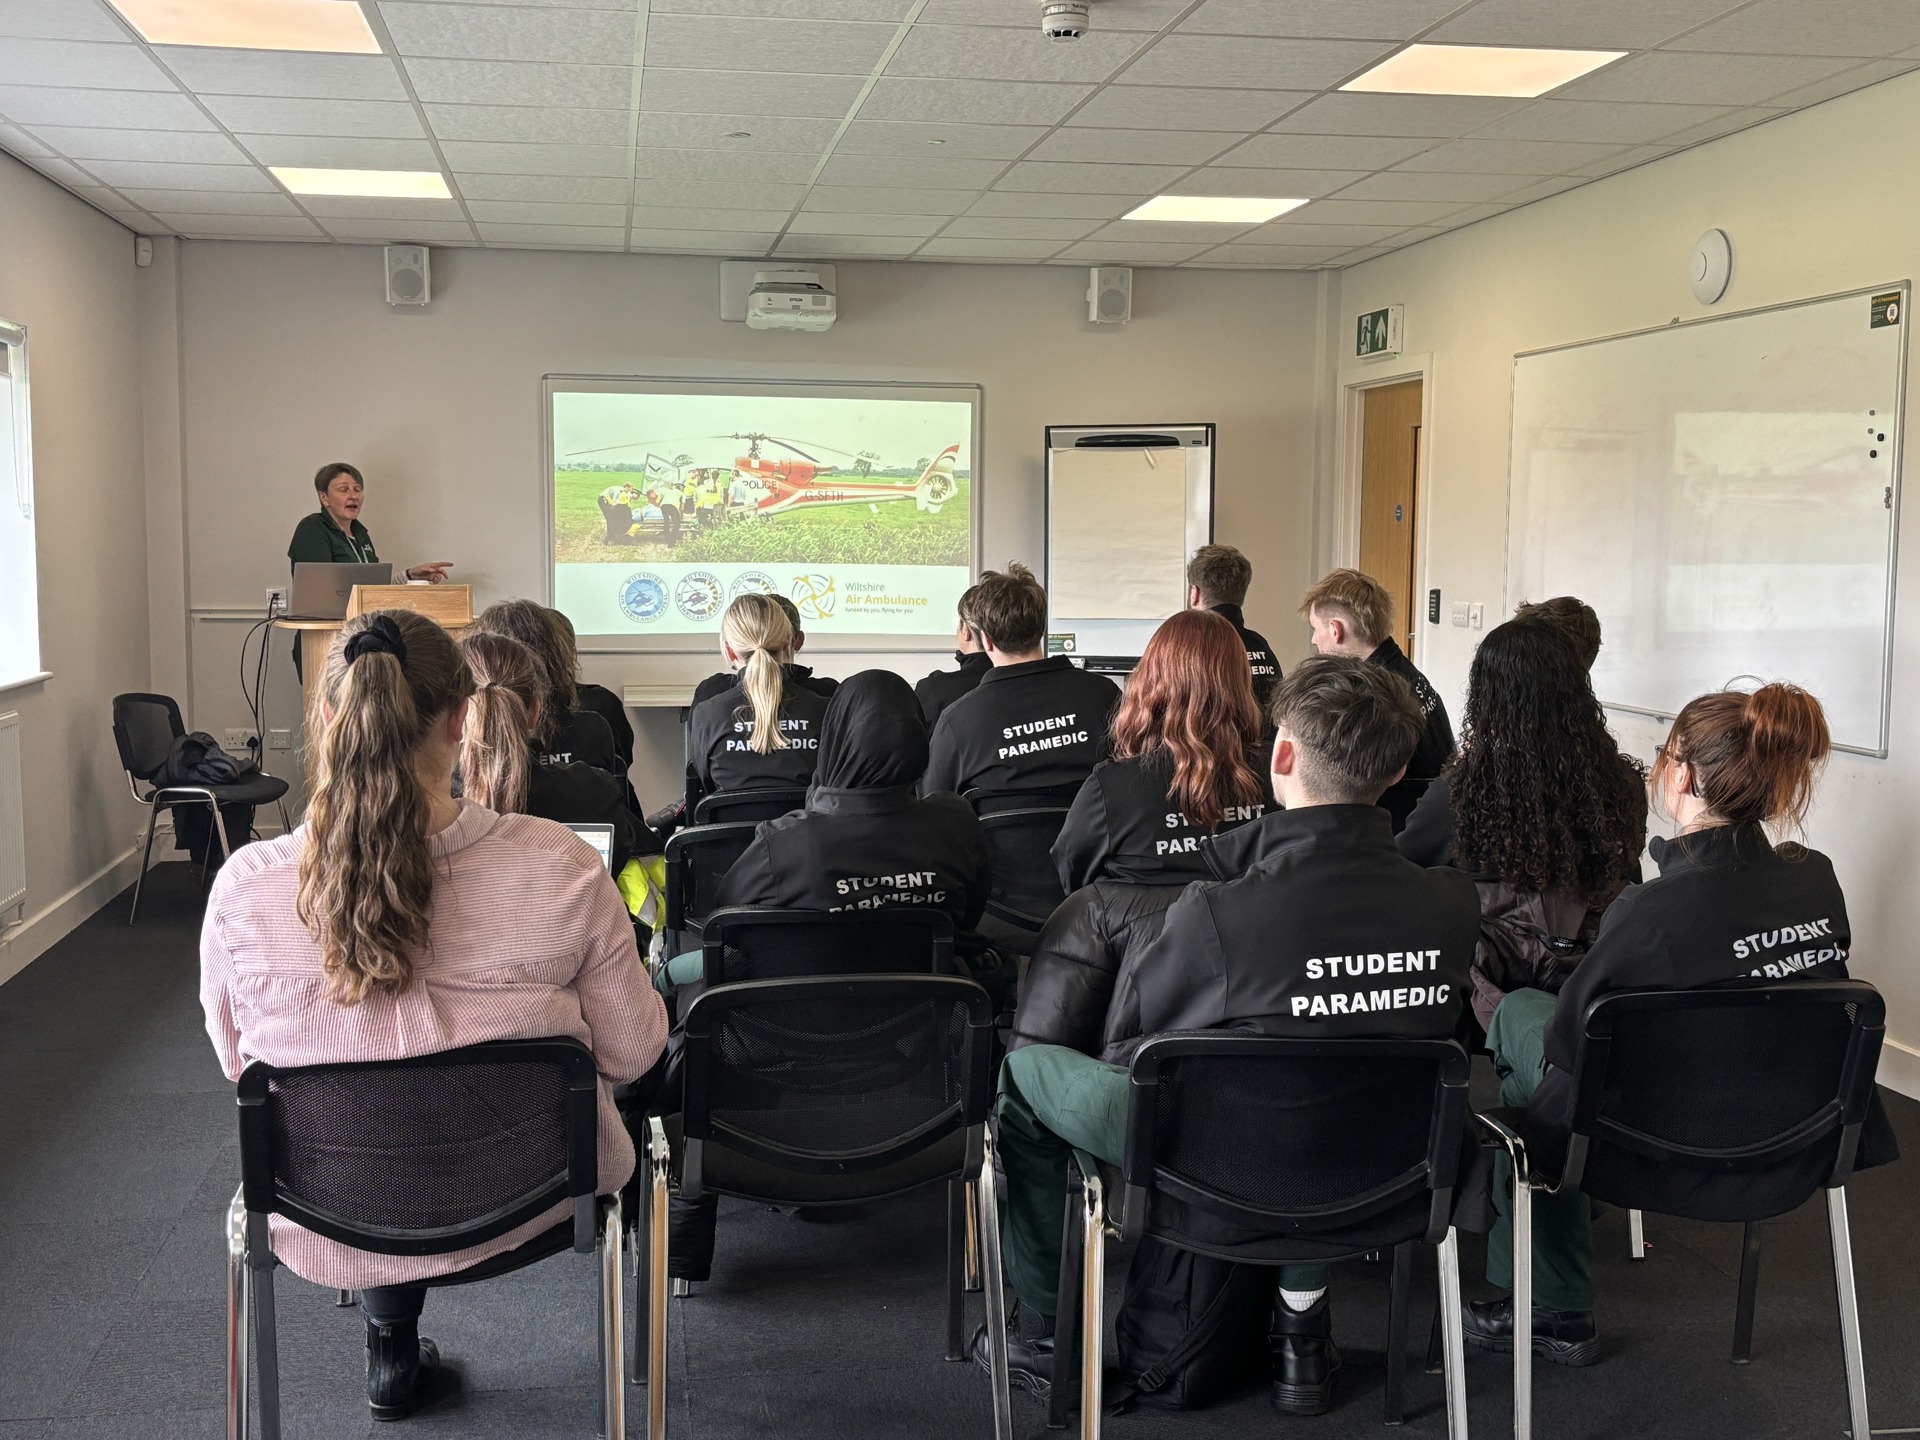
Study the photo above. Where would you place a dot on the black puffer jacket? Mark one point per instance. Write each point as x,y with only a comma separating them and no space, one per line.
1081,986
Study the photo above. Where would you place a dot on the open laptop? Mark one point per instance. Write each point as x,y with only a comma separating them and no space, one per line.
601,838
320,591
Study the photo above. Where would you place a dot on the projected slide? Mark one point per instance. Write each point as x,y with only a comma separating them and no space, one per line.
669,500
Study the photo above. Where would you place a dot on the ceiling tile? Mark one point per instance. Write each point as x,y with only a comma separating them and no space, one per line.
380,207
1088,179
1725,123
59,20
1276,184
721,166
1186,108
1370,212
1617,122
342,154
1297,233
1146,147
1865,28
558,236
915,173
1134,15
498,82
1305,257
1009,102
1703,79
264,115
741,242
711,132
399,232
251,227
1541,189
877,10
294,74
1509,157
1253,64
668,217
123,66
1620,160
209,148
755,195
503,32
1375,20
1162,232
1038,205
1323,152
957,141
986,227
724,92
828,247
155,175
21,142
887,200
808,222
807,47
1439,116
541,212
984,54
209,202
1845,83
1431,185
588,189
947,247
117,109
528,124
1114,252
485,157
1613,25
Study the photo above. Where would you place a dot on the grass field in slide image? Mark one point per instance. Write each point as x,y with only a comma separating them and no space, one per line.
890,532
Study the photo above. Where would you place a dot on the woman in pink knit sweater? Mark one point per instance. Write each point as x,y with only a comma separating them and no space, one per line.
400,921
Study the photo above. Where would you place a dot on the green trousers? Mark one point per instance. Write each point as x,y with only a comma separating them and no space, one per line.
1054,1101
1562,1224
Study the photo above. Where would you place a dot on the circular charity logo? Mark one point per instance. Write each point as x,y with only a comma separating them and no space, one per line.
751,582
814,596
699,595
643,597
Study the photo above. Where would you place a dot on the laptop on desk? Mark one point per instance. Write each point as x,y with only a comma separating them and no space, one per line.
320,591
601,838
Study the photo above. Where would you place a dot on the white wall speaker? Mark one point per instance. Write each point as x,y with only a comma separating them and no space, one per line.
408,282
1109,295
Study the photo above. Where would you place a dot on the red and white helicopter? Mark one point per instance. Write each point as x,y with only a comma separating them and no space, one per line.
777,486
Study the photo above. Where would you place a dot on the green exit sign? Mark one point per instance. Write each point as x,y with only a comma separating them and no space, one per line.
1378,332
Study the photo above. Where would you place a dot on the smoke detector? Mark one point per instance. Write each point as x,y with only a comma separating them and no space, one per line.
1065,19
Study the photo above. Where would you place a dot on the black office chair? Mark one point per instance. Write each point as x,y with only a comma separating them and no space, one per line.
750,943
1021,826
1274,1151
422,1156
144,729
840,1090
1732,1103
756,805
698,859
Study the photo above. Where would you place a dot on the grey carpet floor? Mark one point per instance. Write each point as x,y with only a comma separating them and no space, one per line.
118,1158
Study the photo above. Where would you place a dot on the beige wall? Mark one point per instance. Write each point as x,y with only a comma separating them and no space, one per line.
292,357
1819,202
67,273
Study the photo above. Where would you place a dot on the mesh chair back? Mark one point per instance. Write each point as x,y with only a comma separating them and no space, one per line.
144,729
1728,1079
753,805
836,1075
1026,885
1273,1137
425,1155
698,859
766,944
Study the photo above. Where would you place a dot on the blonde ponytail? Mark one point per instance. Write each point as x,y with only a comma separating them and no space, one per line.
757,630
496,756
366,876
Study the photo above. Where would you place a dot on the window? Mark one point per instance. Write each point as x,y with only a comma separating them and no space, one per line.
19,591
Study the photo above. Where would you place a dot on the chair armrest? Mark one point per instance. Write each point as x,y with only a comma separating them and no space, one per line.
1501,1128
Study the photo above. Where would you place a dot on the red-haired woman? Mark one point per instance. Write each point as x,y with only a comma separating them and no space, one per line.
1729,904
1180,769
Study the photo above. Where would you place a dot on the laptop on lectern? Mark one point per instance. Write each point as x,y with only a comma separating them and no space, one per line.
320,591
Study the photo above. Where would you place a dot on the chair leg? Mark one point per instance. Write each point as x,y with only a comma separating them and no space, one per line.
973,1239
266,1349
1636,1235
343,1300
1849,1302
1453,1336
1749,1284
996,1294
640,1280
956,1279
1397,1298
1522,1298
238,1321
613,1314
658,1176
153,819
1434,1351
1066,1322
1093,1303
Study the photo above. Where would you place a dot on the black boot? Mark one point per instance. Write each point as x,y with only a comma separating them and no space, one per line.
1304,1357
401,1368
1566,1337
1029,1351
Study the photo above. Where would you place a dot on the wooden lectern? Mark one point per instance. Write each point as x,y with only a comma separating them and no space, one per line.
449,606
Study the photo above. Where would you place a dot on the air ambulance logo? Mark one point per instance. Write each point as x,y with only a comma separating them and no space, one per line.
699,595
643,597
814,597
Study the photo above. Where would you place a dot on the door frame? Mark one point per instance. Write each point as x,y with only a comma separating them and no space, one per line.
1353,382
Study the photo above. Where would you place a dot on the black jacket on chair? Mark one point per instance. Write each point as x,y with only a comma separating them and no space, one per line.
1124,825
576,794
943,687
1025,727
1082,984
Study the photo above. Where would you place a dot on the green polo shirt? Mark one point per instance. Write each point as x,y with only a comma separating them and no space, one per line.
318,541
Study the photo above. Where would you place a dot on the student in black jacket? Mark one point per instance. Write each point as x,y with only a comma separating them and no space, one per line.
1728,905
943,687
1352,614
722,681
1218,578
1329,932
1033,722
595,698
763,731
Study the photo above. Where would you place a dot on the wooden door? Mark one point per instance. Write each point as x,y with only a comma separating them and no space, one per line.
1389,491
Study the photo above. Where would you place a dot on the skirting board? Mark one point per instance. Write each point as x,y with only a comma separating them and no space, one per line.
47,926
1900,1068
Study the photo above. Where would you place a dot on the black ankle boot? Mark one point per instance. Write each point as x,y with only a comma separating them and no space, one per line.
1304,1357
1565,1337
1029,1351
400,1368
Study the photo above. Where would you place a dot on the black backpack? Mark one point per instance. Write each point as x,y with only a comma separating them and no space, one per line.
1191,1328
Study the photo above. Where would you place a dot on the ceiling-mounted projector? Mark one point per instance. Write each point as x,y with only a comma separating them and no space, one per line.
789,300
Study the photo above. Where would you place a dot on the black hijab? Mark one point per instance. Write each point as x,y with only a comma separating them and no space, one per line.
873,736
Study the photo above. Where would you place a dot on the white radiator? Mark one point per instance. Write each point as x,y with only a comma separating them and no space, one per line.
13,819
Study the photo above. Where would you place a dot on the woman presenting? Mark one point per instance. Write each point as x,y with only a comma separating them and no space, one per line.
334,535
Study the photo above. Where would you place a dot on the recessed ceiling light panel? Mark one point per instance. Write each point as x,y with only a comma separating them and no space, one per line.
330,25
396,184
1479,70
1212,209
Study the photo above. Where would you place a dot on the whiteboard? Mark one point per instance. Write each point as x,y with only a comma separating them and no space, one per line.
1725,495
